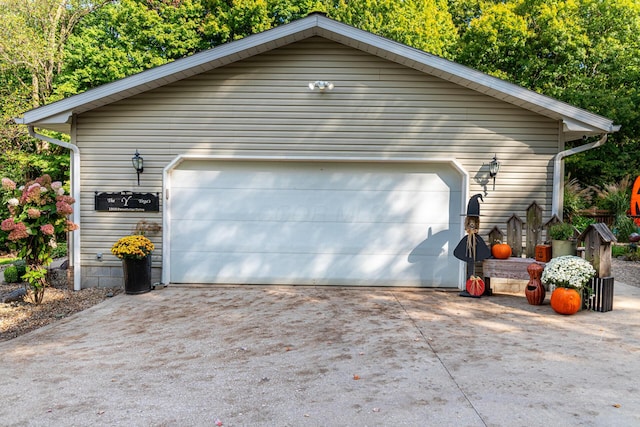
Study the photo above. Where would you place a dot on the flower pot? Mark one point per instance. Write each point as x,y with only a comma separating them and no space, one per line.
137,275
563,247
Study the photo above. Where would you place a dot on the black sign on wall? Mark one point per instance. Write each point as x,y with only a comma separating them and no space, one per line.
127,201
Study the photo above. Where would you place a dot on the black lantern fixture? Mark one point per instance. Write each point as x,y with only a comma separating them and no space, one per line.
138,164
494,168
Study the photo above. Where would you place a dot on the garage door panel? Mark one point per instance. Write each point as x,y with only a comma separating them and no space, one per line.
325,176
311,269
319,206
315,223
294,237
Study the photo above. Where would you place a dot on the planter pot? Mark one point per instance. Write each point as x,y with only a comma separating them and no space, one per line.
137,275
563,247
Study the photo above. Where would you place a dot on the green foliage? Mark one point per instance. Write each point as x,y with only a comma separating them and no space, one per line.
14,273
423,24
581,222
615,197
60,251
126,37
7,261
623,227
629,252
36,277
584,52
11,274
619,250
21,166
576,198
561,231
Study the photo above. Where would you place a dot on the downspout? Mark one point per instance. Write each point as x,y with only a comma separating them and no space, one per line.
558,178
74,259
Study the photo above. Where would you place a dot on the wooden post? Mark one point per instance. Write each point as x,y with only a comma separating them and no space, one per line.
514,235
534,228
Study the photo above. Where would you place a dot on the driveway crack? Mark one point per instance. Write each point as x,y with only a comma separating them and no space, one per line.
435,353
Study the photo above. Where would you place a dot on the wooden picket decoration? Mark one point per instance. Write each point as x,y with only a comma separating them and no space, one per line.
514,234
534,229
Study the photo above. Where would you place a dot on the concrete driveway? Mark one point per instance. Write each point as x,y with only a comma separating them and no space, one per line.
304,356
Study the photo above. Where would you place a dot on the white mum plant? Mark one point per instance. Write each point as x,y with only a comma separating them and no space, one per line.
568,272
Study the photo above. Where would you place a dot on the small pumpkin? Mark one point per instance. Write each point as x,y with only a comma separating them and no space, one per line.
501,250
475,286
566,300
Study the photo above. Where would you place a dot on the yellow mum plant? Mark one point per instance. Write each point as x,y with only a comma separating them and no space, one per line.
132,247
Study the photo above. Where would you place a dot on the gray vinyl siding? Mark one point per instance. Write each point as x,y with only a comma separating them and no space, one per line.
262,106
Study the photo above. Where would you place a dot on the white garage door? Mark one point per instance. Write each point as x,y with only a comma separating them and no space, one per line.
313,223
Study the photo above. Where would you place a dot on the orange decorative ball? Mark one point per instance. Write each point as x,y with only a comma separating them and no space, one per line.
475,286
566,301
501,251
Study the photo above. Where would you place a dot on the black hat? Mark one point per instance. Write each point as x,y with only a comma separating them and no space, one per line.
473,208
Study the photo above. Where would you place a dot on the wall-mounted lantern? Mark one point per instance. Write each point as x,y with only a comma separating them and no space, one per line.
138,164
494,168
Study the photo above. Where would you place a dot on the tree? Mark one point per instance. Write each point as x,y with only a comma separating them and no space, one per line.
129,36
423,24
584,52
31,56
35,33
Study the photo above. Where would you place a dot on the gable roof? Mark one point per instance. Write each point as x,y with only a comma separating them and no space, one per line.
576,122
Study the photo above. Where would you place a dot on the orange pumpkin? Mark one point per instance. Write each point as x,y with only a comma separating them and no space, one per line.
566,301
501,251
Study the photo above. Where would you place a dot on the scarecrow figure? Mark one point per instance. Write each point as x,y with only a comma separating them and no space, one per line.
472,248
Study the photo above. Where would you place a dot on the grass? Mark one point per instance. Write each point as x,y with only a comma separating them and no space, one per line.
7,260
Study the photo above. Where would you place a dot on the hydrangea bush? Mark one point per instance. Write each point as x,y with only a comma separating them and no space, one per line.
568,272
38,213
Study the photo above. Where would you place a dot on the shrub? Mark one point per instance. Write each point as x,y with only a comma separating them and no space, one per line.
37,214
615,197
575,198
21,266
11,274
582,222
623,227
60,250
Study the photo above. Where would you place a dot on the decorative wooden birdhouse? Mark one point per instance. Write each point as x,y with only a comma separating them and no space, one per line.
597,240
496,236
